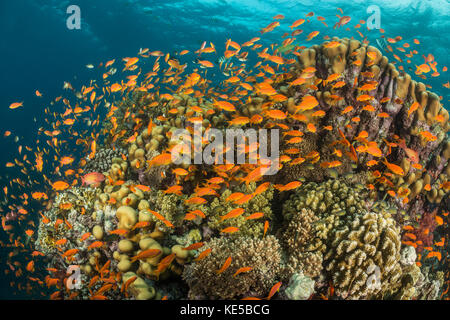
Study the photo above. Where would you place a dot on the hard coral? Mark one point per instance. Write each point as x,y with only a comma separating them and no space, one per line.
263,255
363,256
393,95
298,239
357,239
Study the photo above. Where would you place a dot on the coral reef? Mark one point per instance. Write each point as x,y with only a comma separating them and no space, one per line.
363,176
340,233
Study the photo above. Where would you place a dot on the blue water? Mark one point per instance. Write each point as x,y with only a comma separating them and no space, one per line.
39,52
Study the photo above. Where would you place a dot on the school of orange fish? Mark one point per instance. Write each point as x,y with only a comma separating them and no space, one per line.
76,125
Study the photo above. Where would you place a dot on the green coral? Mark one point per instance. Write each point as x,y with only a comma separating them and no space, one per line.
170,206
188,238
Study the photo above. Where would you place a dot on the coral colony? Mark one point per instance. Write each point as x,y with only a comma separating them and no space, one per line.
357,207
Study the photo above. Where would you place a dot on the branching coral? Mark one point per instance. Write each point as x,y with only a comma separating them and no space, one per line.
263,255
300,242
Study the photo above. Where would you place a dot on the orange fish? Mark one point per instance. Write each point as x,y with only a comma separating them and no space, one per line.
70,252
276,114
194,246
242,270
266,227
205,63
411,236
195,200
230,230
93,178
439,220
232,214
161,160
30,266
95,244
394,168
413,108
312,35
203,254
141,224
119,231
198,213
174,189
297,23
149,253
160,217
274,290
255,215
412,154
85,236
311,127
234,196
434,254
15,105
428,136
60,185
225,266
288,186
440,243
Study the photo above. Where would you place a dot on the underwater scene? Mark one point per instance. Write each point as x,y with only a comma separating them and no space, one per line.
224,150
